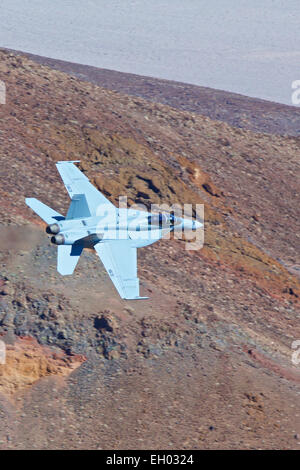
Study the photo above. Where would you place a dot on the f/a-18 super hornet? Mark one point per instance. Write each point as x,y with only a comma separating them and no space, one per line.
115,233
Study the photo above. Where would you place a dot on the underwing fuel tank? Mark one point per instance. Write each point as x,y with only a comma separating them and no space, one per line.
53,229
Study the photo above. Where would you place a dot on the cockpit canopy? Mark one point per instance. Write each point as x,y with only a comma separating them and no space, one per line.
163,220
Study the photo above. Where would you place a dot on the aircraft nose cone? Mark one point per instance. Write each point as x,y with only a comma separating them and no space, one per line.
197,224
192,224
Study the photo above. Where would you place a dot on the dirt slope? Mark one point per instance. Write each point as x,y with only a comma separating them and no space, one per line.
237,110
206,361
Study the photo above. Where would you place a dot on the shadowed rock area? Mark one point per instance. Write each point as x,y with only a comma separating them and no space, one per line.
206,361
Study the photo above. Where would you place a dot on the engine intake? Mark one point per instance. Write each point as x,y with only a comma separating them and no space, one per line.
53,229
58,239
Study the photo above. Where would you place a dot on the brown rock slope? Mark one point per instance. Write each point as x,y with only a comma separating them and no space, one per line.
237,110
206,361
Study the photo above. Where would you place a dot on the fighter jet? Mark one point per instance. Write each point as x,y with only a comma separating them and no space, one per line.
115,233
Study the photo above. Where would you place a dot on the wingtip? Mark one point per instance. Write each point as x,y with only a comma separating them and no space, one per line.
135,298
28,200
67,161
65,272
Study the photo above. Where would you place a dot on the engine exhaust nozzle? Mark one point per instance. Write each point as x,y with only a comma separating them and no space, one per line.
53,229
58,239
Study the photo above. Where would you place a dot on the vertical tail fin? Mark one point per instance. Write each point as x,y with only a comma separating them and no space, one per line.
78,207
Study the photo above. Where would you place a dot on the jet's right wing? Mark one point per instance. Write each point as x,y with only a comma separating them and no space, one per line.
120,261
77,184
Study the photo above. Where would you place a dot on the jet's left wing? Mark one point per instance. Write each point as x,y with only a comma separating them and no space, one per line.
77,184
120,261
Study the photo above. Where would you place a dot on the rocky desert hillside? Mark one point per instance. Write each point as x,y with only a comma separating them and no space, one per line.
206,361
237,110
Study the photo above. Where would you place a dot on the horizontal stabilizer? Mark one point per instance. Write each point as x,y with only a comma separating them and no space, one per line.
44,212
67,258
